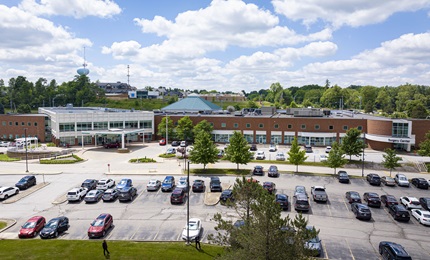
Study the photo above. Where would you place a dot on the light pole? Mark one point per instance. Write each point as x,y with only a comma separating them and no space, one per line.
188,205
167,133
362,161
26,150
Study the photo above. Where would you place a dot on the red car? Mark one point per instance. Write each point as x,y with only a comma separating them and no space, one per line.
162,142
32,227
111,145
100,225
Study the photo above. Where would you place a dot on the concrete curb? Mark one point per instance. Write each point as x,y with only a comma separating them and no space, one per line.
10,223
30,173
60,200
24,194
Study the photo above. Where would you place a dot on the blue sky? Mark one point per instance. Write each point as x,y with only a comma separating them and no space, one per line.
223,45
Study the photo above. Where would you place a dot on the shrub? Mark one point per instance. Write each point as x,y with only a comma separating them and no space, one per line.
142,160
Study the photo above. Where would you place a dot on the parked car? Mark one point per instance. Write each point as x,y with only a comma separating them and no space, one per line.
353,197
105,184
422,216
124,183
168,183
127,194
184,144
420,183
389,200
215,184
390,250
300,190
4,144
399,212
373,179
6,192
282,200
178,196
100,225
308,148
372,199
162,142
192,230
93,196
410,202
273,171
111,145
171,150
89,184
280,156
32,227
260,155
76,194
388,181
26,182
314,244
401,180
176,143
361,211
425,203
221,153
110,195
301,202
272,148
253,147
54,227
319,193
328,149
258,170
153,185
199,186
269,186
183,183
343,177
226,195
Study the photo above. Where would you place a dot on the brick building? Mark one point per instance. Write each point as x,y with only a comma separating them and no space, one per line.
13,126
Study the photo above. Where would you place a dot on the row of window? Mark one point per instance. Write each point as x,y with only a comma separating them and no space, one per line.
277,139
85,126
12,136
4,123
276,126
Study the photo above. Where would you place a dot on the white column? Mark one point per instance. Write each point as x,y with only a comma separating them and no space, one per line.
122,140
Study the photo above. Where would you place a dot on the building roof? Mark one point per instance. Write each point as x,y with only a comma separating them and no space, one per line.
191,103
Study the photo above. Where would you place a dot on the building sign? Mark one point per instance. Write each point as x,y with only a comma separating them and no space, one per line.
399,140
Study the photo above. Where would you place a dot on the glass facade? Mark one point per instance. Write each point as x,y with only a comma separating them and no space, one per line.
70,140
275,139
83,126
131,124
146,124
400,129
330,140
288,139
261,139
317,141
116,124
100,125
249,138
67,127
221,138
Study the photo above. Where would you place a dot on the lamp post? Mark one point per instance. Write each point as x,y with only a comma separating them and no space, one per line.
167,133
188,204
362,161
26,150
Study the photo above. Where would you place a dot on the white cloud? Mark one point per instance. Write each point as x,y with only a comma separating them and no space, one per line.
340,12
122,50
75,8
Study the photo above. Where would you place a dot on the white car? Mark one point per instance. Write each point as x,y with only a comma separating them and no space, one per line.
171,150
410,202
4,144
153,185
328,149
272,148
6,192
422,216
260,155
193,229
280,156
76,194
182,183
401,180
323,158
105,184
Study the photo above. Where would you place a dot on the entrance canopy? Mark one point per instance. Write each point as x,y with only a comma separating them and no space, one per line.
115,131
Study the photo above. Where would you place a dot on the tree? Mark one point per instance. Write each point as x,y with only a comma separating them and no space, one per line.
335,157
1,109
351,143
264,234
184,129
162,127
390,161
204,150
202,126
238,150
296,156
24,109
425,146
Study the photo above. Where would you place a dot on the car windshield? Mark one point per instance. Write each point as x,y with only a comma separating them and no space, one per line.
402,178
97,223
108,192
23,180
122,182
167,181
182,183
354,195
192,226
51,224
103,182
314,240
300,189
91,193
282,198
152,183
342,174
29,225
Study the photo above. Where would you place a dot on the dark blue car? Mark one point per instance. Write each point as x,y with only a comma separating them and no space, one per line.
124,183
168,183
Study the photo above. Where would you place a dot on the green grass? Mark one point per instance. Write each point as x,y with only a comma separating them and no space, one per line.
5,158
220,171
142,160
163,155
68,159
82,249
2,225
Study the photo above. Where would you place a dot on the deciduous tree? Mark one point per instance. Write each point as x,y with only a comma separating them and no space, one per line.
204,150
296,156
335,157
391,160
184,129
351,143
238,150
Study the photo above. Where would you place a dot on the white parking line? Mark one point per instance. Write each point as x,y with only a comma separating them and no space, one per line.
329,210
324,249
349,248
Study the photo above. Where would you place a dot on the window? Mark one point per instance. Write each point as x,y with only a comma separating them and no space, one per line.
276,126
261,125
116,124
303,126
317,127
35,123
212,124
248,125
23,123
330,127
29,123
67,127
131,124
290,126
10,123
360,127
223,125
100,125
83,126
345,127
400,129
16,123
236,125
146,124
3,123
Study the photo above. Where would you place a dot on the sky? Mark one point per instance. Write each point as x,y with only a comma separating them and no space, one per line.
218,45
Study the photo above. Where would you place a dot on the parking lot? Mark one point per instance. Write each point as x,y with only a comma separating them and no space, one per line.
151,217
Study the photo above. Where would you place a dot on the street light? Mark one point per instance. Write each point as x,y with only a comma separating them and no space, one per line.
26,150
362,161
167,133
188,204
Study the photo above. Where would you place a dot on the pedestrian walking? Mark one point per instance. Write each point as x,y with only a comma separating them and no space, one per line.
105,248
198,246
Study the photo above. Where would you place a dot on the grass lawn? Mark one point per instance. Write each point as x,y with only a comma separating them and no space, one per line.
5,158
214,171
2,225
83,249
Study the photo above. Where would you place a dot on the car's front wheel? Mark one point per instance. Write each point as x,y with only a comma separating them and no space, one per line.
56,234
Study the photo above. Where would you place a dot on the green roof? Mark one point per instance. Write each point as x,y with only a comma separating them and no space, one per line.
192,103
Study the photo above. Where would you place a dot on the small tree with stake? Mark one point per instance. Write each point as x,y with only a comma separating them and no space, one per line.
391,160
204,150
295,155
335,157
238,150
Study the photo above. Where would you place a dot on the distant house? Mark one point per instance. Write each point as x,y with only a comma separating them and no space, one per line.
216,97
116,88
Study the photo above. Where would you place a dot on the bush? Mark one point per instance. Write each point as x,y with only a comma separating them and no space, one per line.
163,155
62,160
142,160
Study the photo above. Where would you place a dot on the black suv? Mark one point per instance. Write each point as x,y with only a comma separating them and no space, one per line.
372,199
178,196
373,179
425,203
420,183
273,171
127,193
26,182
282,200
391,250
226,195
215,184
399,212
258,170
89,184
343,177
